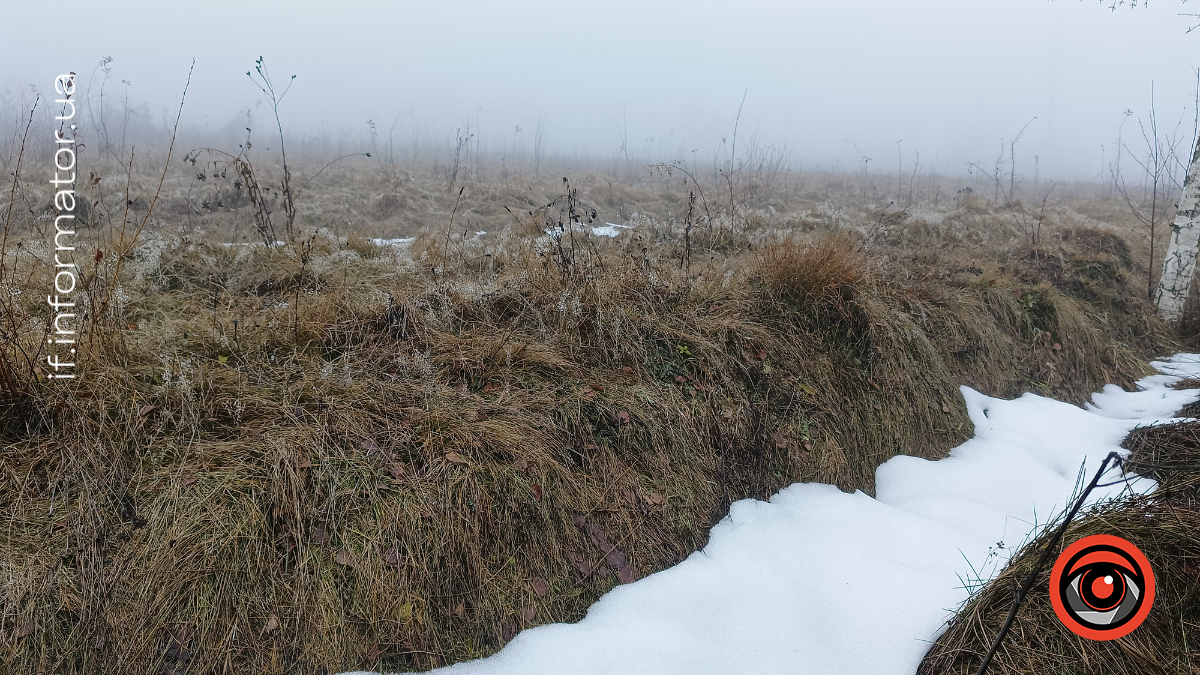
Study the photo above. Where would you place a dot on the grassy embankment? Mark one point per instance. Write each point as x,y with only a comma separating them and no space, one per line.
334,455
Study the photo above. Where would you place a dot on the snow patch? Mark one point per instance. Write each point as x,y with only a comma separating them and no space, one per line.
820,581
609,230
393,242
606,230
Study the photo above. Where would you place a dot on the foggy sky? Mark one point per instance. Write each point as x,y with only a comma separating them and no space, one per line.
948,78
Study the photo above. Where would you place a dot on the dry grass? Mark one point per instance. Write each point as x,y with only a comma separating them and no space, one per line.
1164,525
395,461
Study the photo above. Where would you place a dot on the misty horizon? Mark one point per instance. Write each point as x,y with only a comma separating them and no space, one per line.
930,88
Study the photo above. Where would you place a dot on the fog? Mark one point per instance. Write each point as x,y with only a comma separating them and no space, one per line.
834,83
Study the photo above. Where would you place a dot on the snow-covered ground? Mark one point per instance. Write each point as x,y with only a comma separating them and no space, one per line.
818,581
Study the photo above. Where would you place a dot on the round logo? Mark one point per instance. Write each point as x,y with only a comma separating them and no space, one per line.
1102,587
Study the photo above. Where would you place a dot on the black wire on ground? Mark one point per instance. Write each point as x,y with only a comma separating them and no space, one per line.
1050,548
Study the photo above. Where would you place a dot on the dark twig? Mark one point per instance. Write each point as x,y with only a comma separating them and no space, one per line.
1046,553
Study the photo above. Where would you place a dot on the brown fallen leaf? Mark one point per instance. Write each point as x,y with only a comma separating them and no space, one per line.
189,479
25,628
540,586
146,410
762,355
272,623
392,557
597,387
580,563
1057,347
780,440
626,575
536,489
303,463
370,446
680,379
133,326
623,416
396,470
872,383
319,534
630,497
655,498
527,613
521,464
589,394
344,557
945,408
455,457
625,370
460,609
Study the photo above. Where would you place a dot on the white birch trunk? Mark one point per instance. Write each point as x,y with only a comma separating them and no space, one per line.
1179,267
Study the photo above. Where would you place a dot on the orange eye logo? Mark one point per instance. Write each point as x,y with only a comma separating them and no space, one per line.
1102,587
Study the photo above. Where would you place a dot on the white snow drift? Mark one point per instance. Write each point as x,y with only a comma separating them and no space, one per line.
818,581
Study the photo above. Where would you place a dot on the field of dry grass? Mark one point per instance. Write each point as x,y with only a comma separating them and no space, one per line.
334,454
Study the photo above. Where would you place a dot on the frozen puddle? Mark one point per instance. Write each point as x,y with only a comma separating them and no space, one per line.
818,581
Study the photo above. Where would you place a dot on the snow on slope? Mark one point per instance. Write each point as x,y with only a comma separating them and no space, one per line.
818,581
